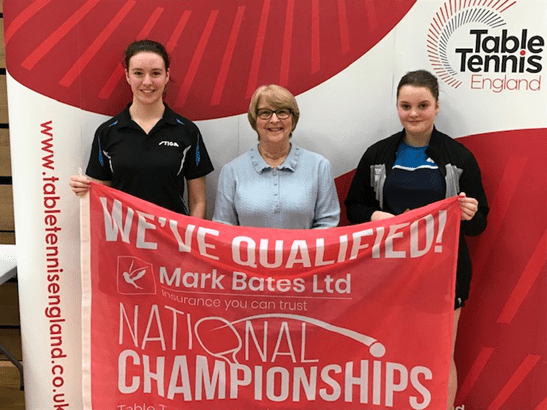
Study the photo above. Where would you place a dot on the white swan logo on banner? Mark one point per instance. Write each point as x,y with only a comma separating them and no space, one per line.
135,277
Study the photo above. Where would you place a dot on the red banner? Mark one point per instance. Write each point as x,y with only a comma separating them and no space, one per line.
186,313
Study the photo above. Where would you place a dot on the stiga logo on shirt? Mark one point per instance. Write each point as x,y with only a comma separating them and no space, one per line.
471,44
169,143
135,277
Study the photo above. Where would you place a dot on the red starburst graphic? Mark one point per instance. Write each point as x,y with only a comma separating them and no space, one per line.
449,18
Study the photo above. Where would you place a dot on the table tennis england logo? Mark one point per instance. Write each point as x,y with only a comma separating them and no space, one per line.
135,277
470,43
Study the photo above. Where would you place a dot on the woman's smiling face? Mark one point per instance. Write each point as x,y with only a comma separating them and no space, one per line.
147,77
273,130
417,109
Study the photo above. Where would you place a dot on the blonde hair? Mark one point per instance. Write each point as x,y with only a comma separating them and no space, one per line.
278,97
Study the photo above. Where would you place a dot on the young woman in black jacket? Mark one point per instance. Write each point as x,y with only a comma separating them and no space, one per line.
415,167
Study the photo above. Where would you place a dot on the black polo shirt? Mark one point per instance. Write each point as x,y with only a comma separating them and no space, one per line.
150,166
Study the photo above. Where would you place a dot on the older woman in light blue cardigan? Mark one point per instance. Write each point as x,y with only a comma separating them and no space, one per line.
277,184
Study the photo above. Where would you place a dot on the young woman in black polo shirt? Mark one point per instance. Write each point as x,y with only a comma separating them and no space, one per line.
148,150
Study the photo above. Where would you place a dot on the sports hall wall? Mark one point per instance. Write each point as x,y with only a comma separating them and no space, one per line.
7,226
342,58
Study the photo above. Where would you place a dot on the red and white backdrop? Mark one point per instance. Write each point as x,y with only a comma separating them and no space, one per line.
342,58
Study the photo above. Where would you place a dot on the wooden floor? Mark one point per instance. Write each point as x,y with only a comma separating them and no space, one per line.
11,396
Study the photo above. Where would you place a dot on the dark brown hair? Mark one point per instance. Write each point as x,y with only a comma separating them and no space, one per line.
152,46
420,78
